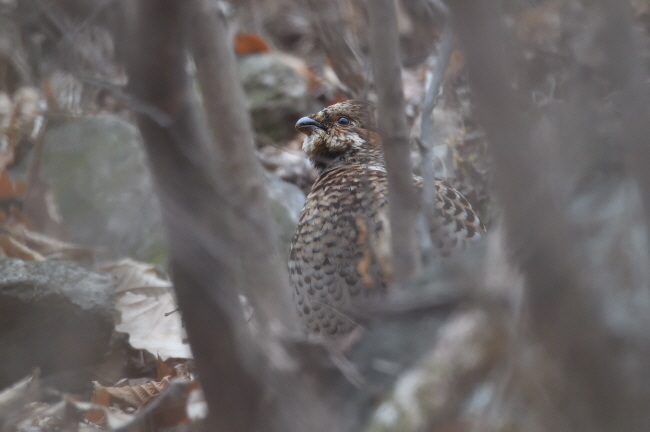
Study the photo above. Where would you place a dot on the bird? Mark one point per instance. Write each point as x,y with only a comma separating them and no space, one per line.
338,257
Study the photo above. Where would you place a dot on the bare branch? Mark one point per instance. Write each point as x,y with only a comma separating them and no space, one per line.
435,84
426,131
346,63
196,216
265,282
403,208
565,310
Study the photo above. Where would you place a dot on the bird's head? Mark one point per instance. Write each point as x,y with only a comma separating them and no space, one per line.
342,134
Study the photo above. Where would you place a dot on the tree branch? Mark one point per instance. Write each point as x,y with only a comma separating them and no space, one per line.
403,208
196,217
566,312
426,132
347,65
265,282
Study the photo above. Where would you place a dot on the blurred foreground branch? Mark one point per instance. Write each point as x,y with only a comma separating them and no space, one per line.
403,208
265,282
568,309
445,49
195,215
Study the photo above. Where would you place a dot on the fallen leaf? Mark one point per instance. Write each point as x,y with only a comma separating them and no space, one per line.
13,248
109,418
160,404
250,43
101,398
128,396
172,368
27,389
144,302
49,247
163,368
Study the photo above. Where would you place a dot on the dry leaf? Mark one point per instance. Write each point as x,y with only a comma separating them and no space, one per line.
161,404
22,409
250,43
128,396
172,368
27,389
163,368
101,398
144,302
50,247
12,248
107,417
19,242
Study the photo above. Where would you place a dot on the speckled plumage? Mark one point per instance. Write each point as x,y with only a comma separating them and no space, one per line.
339,254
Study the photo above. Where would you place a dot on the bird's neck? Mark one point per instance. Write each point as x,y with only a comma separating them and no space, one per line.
369,158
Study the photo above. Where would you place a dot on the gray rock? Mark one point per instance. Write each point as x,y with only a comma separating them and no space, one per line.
103,187
53,315
286,203
276,94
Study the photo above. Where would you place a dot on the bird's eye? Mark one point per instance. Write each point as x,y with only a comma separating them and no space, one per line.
343,121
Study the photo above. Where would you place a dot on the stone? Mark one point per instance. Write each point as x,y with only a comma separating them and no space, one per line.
276,93
102,184
286,201
53,315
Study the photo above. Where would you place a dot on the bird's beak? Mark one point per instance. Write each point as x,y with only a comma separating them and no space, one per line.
307,125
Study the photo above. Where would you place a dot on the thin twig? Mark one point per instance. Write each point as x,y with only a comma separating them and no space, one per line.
433,90
426,132
344,57
34,170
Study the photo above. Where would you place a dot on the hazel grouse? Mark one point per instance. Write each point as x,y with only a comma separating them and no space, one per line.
336,261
